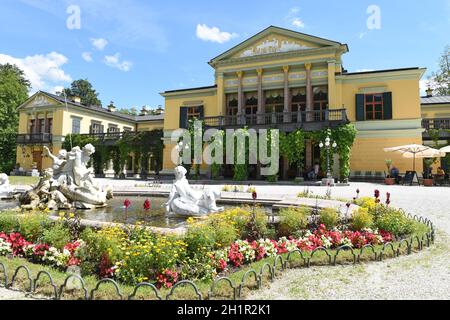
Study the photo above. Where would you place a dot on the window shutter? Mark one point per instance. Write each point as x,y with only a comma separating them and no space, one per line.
360,99
387,105
183,117
90,129
202,112
102,128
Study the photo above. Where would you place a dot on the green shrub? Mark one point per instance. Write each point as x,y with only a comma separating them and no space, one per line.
293,220
225,233
200,238
98,245
361,219
395,222
57,236
8,222
329,217
256,226
32,225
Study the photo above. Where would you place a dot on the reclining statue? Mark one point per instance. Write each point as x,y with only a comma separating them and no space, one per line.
5,188
185,201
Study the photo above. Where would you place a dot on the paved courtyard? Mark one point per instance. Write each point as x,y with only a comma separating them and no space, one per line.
425,275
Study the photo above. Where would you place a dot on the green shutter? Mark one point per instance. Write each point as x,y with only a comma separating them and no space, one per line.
360,99
183,117
387,105
202,112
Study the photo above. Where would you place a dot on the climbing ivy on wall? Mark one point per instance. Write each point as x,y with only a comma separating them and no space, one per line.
292,146
344,136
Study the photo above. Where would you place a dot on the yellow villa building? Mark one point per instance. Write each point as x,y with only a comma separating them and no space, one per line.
276,79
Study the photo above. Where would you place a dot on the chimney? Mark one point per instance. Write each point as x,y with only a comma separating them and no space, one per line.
144,111
111,107
77,99
429,92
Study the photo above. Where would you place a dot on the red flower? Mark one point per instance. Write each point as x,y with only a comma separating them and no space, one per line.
254,195
127,203
166,279
147,205
377,193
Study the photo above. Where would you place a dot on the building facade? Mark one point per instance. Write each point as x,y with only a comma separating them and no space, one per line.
46,120
288,80
276,79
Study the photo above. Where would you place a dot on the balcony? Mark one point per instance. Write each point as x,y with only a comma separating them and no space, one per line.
440,124
110,138
34,138
284,121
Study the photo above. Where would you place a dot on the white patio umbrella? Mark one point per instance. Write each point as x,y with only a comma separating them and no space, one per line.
415,151
445,149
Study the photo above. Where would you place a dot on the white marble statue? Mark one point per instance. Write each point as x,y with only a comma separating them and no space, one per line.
185,201
68,183
5,188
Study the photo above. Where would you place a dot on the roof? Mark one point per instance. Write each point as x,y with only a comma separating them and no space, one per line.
99,109
191,89
378,71
269,29
435,100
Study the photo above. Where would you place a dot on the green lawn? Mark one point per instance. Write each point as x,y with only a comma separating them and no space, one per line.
21,180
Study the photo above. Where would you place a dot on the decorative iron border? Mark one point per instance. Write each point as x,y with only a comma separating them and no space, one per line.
236,290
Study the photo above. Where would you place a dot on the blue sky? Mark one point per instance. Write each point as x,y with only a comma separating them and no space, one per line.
133,49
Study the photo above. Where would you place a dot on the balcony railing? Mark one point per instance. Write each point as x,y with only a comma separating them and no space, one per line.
436,124
312,120
442,125
34,138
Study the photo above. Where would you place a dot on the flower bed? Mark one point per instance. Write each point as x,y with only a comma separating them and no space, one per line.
218,246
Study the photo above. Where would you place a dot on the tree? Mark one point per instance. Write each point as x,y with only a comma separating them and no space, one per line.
83,89
131,112
14,89
440,80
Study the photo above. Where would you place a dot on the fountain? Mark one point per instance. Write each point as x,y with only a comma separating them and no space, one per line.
68,184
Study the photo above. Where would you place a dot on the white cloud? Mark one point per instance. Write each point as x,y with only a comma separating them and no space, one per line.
43,71
99,44
293,19
87,56
364,70
115,62
57,89
298,23
214,34
362,35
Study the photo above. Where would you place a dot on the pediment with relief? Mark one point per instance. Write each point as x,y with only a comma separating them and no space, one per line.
39,100
274,44
276,40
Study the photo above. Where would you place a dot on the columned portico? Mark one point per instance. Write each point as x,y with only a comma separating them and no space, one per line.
260,96
287,95
240,93
309,93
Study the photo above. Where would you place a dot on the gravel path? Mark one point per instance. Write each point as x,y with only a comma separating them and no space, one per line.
425,275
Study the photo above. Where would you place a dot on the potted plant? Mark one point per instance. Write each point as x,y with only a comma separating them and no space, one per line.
427,175
388,179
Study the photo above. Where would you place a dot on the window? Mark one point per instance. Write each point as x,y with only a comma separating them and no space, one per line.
232,106
127,129
320,104
76,125
32,125
194,113
96,128
41,125
274,104
298,104
373,106
50,125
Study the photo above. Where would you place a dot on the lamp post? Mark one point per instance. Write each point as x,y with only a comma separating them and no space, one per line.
328,144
